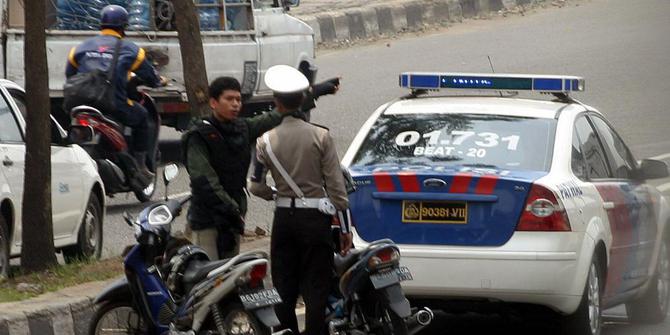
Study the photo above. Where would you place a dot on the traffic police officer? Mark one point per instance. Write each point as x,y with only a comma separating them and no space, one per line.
310,192
96,53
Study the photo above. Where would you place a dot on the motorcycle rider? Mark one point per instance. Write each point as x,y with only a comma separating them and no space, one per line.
97,53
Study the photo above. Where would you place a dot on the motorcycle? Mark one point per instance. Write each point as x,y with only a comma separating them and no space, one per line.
109,147
182,292
367,296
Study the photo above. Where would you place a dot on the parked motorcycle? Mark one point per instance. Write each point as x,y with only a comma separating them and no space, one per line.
182,292
109,148
367,296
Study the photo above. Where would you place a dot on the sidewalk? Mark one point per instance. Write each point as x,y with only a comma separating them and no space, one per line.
335,23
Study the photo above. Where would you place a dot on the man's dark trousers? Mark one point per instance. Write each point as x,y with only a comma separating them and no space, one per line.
302,264
136,117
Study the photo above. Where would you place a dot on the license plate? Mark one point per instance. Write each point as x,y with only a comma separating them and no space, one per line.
260,299
384,279
404,273
448,212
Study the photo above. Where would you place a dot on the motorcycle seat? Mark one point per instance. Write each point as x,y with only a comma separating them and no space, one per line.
343,263
196,271
95,112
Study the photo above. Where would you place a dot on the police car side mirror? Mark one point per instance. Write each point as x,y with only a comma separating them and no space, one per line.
80,134
652,169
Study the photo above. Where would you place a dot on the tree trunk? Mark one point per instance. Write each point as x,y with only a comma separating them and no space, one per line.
37,252
193,57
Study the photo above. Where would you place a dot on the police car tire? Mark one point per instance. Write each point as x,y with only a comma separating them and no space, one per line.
649,308
4,249
579,323
82,250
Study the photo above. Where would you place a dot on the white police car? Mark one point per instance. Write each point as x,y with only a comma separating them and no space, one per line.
78,196
497,198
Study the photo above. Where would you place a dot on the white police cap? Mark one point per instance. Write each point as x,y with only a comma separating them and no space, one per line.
284,79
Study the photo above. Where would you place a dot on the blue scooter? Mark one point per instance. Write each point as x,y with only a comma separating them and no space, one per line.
171,287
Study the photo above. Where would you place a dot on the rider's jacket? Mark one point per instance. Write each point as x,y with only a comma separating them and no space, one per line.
98,52
217,156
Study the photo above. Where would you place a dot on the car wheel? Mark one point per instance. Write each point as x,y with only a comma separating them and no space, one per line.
652,307
4,249
89,238
587,320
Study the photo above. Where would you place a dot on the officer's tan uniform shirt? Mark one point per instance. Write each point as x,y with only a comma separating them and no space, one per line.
307,152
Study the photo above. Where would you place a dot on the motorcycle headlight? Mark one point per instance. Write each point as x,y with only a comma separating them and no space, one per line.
160,215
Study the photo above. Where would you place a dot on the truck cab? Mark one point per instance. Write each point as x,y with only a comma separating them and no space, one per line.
241,39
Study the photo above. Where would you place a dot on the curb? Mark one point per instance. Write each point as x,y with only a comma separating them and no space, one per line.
375,21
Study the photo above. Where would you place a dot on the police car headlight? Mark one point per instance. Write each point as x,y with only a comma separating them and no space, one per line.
160,215
542,208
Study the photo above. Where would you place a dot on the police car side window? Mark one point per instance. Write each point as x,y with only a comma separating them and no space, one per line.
9,127
594,155
579,167
622,163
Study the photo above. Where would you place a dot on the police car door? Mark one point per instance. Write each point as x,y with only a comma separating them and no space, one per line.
637,201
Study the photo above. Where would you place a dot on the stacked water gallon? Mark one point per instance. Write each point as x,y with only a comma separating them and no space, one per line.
209,16
139,15
82,14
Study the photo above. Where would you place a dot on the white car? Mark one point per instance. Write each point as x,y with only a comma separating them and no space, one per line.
493,197
78,196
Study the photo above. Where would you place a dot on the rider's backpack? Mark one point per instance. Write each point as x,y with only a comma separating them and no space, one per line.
95,88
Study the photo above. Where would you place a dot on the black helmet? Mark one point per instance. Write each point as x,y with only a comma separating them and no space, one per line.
113,16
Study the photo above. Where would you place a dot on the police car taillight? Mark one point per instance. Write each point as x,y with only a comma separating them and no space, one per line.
543,211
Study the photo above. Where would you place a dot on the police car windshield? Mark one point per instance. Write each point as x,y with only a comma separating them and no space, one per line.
504,142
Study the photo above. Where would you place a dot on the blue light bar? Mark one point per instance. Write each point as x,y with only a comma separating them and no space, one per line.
498,82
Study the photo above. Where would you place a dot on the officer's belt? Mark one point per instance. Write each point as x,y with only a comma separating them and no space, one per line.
297,202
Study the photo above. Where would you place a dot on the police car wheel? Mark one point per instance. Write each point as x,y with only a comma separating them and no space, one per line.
89,239
4,249
652,307
587,320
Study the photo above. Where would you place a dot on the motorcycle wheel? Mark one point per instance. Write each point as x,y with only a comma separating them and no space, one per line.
239,321
118,317
146,194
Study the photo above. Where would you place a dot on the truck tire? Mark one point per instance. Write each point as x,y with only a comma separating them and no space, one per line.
89,237
587,320
4,249
652,307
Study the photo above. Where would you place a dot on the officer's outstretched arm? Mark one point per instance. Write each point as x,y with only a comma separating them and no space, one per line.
258,181
261,123
204,179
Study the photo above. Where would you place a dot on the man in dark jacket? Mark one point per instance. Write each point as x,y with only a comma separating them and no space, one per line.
217,153
97,53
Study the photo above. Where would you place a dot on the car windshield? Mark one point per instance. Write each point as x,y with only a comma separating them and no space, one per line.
489,141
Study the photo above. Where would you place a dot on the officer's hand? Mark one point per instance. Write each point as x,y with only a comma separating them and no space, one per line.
346,241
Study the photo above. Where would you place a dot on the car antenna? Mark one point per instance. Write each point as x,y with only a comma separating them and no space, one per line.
493,70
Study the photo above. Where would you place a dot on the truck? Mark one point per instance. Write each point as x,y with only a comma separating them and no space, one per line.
241,39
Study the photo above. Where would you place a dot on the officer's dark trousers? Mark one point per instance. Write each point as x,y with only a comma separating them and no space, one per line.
135,117
302,263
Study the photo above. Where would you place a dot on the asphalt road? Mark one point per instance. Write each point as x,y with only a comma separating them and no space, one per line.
621,47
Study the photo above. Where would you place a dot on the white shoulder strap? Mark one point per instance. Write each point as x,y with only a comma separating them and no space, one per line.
280,168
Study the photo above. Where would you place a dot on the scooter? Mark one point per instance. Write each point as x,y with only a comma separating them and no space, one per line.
368,297
182,292
109,148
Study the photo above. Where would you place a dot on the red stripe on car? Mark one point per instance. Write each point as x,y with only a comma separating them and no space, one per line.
409,182
461,183
384,182
486,184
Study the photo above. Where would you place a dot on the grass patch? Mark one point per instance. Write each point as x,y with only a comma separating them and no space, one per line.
60,277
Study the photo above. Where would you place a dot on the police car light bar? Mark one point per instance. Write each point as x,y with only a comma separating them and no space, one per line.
498,82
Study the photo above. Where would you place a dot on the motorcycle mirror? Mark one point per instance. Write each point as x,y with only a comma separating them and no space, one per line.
128,218
170,172
80,134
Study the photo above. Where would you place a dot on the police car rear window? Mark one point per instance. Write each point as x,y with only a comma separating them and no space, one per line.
492,141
